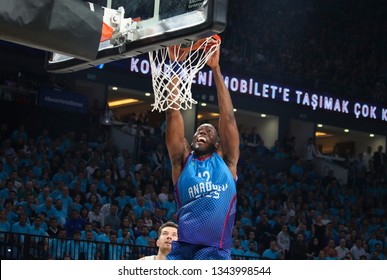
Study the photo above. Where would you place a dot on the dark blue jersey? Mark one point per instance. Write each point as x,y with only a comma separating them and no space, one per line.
206,197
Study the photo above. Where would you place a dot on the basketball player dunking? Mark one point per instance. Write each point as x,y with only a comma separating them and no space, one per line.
205,179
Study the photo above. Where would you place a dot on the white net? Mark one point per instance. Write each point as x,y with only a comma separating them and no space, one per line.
172,76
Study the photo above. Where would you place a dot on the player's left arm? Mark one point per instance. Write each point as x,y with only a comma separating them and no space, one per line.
228,129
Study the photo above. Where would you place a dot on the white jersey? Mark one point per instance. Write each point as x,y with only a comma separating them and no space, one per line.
148,258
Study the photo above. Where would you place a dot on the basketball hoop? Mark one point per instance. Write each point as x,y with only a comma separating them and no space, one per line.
176,93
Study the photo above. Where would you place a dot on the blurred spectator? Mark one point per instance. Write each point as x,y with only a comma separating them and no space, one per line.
236,249
330,250
298,248
379,161
283,241
272,253
367,157
357,250
310,150
313,249
251,252
253,138
342,250
54,227
74,224
261,149
112,218
263,231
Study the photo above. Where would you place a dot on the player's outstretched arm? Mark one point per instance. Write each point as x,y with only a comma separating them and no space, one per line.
228,129
174,137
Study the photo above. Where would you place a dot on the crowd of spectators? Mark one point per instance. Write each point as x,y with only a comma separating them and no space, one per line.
81,188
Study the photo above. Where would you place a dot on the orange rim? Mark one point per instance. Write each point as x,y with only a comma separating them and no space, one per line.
218,40
199,42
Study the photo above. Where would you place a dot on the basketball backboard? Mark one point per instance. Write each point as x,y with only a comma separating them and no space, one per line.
148,25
